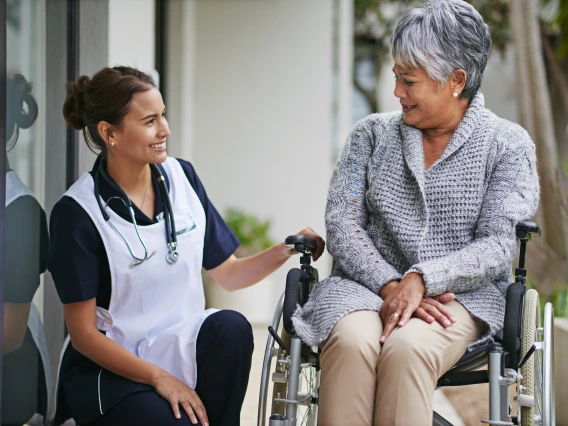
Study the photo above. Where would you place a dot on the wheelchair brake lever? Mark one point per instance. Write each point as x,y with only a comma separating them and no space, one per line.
277,338
527,356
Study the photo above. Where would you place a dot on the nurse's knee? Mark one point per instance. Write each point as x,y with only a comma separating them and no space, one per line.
233,330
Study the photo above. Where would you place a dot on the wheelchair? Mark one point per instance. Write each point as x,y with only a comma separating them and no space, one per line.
521,355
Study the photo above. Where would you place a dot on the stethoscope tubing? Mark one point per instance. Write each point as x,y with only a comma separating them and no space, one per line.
171,237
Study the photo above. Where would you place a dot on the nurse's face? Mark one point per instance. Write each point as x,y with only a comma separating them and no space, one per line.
142,136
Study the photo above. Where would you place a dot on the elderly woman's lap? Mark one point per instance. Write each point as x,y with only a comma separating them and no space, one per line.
432,345
365,384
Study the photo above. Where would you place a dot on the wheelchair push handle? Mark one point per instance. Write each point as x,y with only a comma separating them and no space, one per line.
526,229
301,244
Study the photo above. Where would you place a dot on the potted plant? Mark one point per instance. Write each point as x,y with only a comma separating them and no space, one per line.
254,235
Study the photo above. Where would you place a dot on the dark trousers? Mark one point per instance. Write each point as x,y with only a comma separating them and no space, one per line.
224,353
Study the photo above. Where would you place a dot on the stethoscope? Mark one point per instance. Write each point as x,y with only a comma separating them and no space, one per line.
171,237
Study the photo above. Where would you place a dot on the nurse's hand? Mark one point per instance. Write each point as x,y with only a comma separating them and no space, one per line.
179,394
310,233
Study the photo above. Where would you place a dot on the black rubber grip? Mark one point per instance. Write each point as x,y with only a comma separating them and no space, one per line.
293,279
512,324
300,243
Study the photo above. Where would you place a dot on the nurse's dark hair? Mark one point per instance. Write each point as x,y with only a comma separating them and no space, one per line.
21,108
104,97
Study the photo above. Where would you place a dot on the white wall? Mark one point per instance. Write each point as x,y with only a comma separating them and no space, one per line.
131,38
263,111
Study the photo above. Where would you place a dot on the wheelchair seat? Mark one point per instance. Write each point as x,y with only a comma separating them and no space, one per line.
480,351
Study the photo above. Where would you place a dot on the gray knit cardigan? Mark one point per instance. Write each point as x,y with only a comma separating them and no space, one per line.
454,222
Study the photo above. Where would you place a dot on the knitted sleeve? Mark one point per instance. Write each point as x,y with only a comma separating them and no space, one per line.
346,216
512,196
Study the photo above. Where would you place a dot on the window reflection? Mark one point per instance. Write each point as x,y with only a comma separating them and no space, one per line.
25,374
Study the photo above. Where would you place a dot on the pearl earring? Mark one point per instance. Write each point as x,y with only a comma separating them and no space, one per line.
112,144
455,94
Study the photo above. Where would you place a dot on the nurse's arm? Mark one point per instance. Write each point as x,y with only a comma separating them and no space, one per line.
235,274
15,323
80,318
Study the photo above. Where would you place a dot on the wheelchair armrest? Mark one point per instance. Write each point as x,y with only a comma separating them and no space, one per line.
293,279
527,228
512,325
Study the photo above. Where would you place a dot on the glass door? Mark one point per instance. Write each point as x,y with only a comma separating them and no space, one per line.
25,373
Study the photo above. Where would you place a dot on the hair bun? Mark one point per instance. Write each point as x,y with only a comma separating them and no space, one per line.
73,106
21,106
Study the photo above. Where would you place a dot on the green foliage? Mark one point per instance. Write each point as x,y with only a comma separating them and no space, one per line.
496,15
563,165
250,230
558,25
558,298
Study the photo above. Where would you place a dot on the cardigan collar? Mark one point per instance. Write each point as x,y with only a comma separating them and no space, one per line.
412,139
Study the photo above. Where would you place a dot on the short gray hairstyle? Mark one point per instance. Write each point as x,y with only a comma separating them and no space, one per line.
441,37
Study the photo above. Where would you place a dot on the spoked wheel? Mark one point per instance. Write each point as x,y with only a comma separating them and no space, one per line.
538,371
279,389
308,395
267,366
308,388
275,373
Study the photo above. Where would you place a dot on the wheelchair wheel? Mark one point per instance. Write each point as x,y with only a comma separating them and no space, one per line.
530,371
538,371
278,373
308,388
279,389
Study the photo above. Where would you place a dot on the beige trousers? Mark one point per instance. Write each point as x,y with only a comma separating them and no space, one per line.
363,384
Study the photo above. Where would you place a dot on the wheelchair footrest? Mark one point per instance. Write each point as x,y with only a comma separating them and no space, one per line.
497,423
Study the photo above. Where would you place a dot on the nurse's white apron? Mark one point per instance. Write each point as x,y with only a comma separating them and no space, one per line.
156,308
15,189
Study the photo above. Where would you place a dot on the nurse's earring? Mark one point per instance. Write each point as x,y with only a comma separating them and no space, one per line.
112,144
455,96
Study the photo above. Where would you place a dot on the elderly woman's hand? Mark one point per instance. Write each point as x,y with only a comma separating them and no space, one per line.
432,309
401,303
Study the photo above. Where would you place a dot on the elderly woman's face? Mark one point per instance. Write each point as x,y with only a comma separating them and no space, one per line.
424,105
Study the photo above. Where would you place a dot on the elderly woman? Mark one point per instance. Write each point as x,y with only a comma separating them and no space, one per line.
422,209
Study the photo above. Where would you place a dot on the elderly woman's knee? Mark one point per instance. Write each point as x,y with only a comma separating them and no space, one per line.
406,352
356,333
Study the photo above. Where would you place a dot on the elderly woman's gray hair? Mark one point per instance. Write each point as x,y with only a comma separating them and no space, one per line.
441,37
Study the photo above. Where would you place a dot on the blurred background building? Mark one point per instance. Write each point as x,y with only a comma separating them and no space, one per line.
260,95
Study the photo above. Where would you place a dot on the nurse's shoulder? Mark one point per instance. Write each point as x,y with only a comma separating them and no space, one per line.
75,251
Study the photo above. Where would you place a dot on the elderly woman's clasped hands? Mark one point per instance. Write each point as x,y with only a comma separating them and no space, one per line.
405,299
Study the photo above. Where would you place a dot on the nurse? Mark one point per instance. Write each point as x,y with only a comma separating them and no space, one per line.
128,241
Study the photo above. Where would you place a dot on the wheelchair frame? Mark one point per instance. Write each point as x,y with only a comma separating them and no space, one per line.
504,358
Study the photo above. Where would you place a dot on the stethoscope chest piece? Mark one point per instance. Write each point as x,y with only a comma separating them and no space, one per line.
173,255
